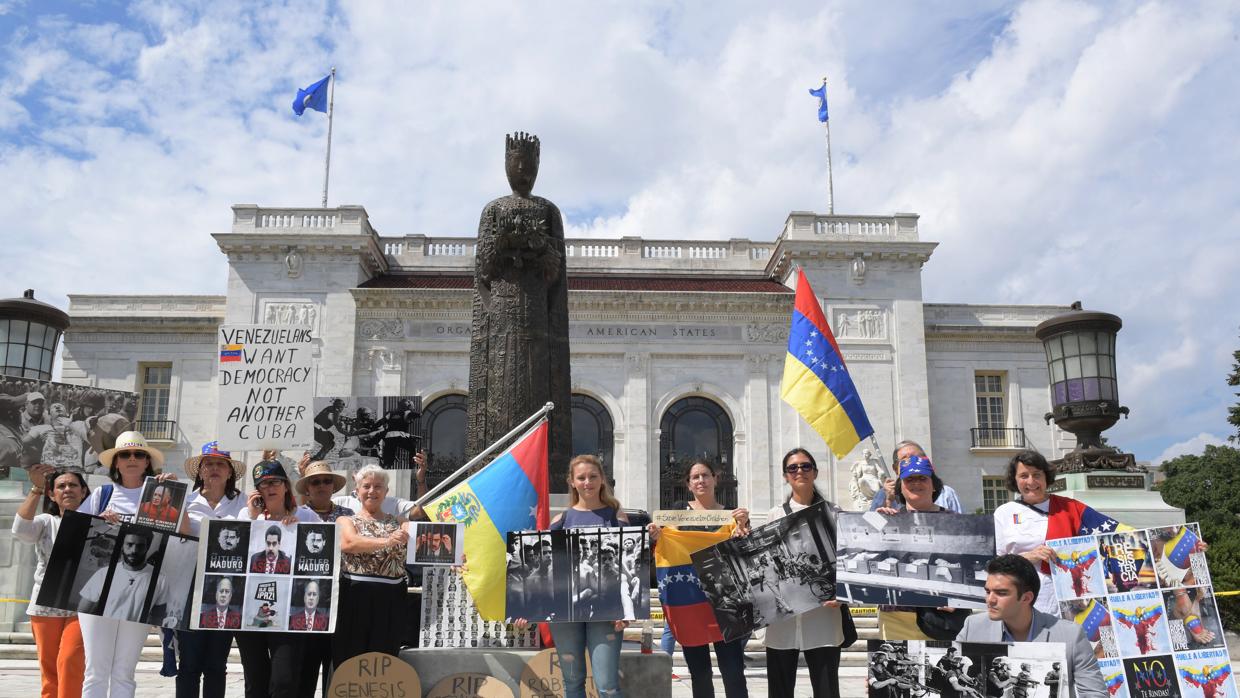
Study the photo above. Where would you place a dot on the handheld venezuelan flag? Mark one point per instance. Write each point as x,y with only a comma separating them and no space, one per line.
816,381
230,352
686,609
509,494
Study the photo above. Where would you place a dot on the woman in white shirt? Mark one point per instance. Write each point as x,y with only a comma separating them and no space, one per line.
57,635
113,646
818,633
204,655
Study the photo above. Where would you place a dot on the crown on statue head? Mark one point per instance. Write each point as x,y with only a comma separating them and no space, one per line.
521,144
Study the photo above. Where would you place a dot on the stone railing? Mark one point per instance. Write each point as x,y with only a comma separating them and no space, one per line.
902,227
342,220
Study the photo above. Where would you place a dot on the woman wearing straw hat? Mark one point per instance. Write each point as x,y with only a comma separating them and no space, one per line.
204,655
317,485
113,646
271,661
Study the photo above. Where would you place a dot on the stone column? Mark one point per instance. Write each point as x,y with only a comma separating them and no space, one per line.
637,482
754,472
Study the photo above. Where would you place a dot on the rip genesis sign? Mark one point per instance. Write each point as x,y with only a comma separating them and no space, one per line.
266,387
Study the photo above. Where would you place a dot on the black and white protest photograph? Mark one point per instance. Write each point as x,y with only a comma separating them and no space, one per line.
271,547
913,559
122,571
909,669
450,619
351,431
62,425
310,605
780,570
220,602
436,544
162,503
227,545
316,544
594,574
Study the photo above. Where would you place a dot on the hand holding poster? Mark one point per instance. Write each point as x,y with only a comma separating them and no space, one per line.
587,574
267,576
436,544
266,387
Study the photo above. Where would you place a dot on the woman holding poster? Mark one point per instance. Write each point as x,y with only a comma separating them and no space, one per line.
57,635
113,646
317,485
204,655
818,633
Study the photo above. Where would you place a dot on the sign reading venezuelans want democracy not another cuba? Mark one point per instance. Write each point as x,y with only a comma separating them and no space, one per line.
266,387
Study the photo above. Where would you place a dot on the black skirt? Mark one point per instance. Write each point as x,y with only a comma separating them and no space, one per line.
371,617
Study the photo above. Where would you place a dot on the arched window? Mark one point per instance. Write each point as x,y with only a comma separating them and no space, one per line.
695,427
443,424
592,433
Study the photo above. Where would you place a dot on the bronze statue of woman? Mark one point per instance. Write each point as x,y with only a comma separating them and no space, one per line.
518,354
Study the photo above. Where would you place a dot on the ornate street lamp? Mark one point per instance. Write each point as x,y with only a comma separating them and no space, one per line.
1080,356
29,333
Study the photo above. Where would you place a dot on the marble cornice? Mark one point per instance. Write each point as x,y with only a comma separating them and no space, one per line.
653,306
907,253
237,245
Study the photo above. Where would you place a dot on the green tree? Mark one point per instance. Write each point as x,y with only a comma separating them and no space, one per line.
1207,488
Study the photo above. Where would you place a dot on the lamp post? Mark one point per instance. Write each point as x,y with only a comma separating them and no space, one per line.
30,330
1080,357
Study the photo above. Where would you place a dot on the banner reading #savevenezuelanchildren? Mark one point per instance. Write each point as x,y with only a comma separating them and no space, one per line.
266,387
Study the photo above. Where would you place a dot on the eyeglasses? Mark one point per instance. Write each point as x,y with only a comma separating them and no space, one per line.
315,482
799,467
130,454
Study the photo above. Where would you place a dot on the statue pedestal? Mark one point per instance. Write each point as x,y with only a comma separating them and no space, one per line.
1125,496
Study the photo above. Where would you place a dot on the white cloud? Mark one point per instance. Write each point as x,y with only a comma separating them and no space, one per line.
1085,150
1189,447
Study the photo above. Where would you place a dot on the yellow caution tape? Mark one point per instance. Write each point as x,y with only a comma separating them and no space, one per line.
14,600
1226,593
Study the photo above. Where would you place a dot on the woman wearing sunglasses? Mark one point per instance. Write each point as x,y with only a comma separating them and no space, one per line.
316,486
818,633
204,655
113,646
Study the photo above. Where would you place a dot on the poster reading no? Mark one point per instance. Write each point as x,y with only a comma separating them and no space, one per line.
266,381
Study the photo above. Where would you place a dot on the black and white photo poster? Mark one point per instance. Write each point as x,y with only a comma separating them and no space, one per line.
778,571
351,431
593,573
266,576
123,571
66,426
162,503
914,558
905,669
450,619
1154,623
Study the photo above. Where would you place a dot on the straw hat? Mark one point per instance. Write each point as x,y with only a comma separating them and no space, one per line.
212,449
319,467
132,441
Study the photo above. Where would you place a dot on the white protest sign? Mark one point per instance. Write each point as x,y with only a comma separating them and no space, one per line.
266,387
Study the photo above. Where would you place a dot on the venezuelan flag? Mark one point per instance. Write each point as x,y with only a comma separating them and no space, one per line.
509,494
230,352
816,381
685,606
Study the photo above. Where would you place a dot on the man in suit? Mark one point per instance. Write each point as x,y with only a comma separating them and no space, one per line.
1012,585
271,560
310,617
221,616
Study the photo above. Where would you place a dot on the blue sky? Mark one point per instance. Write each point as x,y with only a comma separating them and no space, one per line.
1058,150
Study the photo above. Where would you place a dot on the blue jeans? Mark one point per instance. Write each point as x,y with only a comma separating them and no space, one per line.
668,641
603,641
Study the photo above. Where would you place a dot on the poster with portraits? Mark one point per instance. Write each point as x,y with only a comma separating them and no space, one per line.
124,571
350,431
437,544
450,619
266,576
1145,601
914,558
966,669
584,574
62,425
162,503
780,570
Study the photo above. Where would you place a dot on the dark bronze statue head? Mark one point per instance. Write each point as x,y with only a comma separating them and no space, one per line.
521,162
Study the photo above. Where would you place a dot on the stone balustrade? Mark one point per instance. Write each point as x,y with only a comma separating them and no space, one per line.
901,227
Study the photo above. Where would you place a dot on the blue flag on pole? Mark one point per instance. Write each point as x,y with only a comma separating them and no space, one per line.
313,97
821,94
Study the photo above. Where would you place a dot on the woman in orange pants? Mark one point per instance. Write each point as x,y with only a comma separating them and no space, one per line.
62,658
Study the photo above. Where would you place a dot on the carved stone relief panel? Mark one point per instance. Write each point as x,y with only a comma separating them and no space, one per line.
766,333
290,313
860,323
381,328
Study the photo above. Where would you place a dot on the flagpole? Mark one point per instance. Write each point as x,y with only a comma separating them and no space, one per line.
878,452
485,452
331,102
830,184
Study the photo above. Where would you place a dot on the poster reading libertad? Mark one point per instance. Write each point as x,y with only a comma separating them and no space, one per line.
266,387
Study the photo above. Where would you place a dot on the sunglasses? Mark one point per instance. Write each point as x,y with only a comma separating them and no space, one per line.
130,454
315,482
799,467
